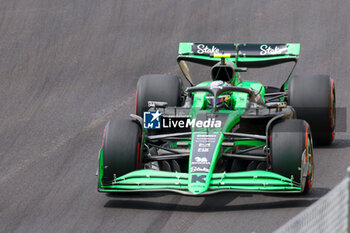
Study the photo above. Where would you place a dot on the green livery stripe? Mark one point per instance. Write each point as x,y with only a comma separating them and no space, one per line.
185,47
100,169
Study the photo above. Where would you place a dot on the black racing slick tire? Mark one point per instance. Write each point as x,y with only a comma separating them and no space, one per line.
158,87
291,151
121,149
313,98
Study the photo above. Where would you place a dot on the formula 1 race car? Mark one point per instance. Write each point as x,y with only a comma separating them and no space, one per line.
221,135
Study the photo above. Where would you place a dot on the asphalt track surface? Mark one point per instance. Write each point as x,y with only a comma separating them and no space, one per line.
67,67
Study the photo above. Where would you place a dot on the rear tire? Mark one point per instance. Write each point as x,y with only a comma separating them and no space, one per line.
292,151
158,87
313,98
121,149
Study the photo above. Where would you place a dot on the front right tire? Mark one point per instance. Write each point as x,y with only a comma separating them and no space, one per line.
292,151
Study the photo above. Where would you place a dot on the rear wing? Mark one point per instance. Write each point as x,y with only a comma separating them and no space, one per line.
243,55
250,55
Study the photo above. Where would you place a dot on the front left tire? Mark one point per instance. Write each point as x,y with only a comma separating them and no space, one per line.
121,149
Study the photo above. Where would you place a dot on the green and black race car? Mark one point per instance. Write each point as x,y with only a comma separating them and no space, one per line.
221,135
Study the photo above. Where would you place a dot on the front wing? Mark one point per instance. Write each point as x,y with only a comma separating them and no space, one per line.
157,181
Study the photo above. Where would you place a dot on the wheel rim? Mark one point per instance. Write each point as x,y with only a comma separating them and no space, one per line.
310,159
307,163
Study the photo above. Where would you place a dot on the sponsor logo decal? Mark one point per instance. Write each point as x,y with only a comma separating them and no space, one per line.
199,169
199,179
203,149
200,160
213,48
204,49
202,152
204,144
268,50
